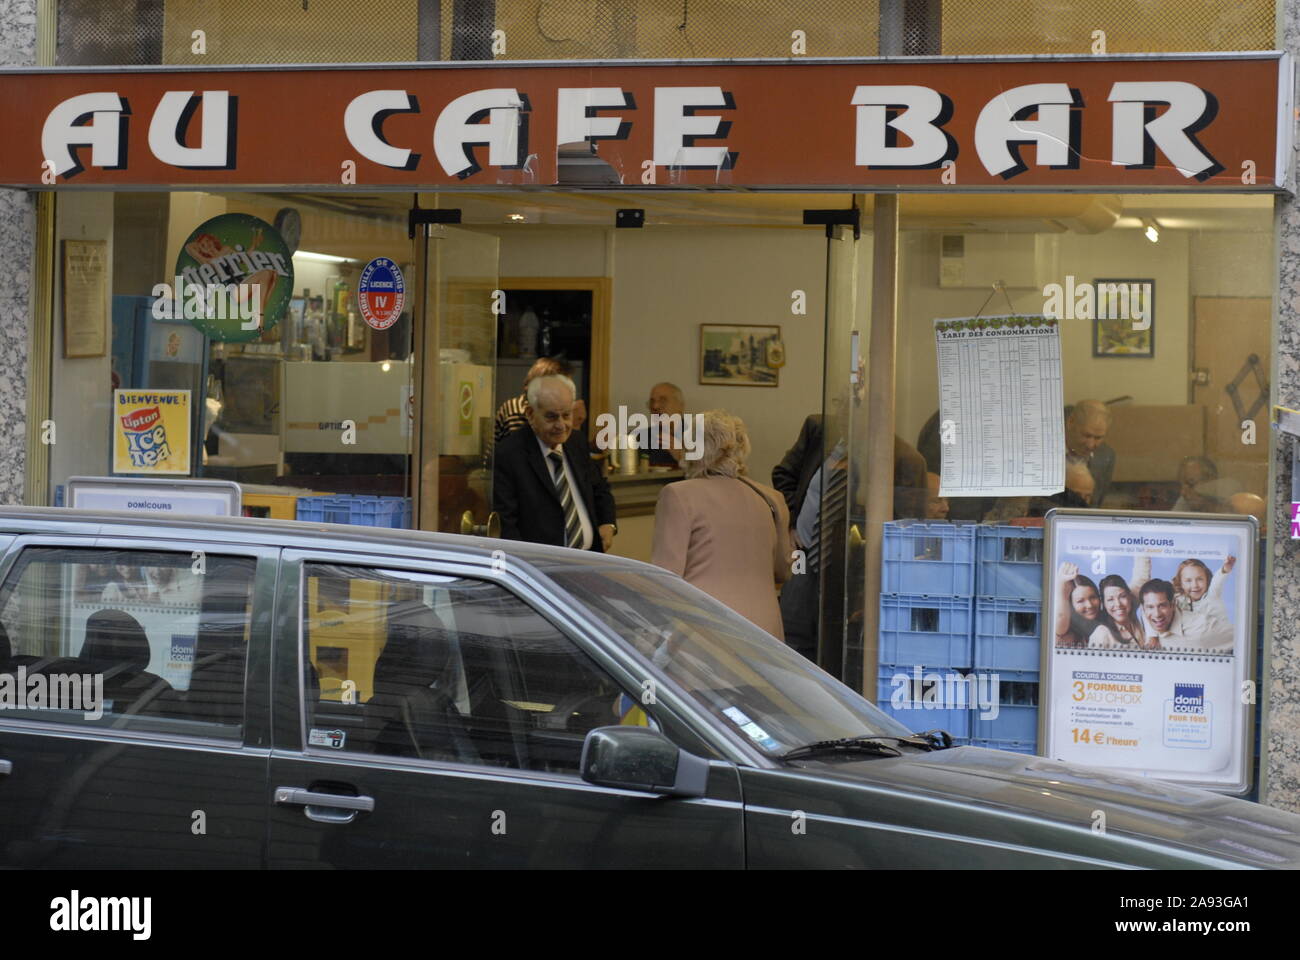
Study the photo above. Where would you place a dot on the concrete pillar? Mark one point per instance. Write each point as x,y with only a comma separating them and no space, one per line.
1280,778
17,228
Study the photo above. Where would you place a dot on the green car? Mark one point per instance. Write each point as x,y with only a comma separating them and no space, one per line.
192,692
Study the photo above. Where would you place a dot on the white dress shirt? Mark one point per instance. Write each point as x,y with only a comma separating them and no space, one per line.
588,532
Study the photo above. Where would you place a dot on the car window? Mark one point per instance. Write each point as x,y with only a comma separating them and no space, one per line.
447,669
134,639
743,676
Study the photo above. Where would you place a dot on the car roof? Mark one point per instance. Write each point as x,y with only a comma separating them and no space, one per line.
299,534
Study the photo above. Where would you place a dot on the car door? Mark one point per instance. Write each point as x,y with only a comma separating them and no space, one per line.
160,639
427,716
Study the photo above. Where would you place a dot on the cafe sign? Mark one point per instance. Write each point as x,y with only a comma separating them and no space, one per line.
1137,122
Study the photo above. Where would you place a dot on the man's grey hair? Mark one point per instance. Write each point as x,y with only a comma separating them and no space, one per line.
535,387
1087,410
677,392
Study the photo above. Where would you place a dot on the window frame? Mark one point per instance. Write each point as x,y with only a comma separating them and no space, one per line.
253,726
606,652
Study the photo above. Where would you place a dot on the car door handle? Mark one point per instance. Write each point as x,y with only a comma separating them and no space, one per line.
297,796
6,768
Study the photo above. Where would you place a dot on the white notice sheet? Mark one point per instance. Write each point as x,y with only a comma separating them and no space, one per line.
1001,416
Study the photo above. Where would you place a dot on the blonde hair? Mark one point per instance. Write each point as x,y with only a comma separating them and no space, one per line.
725,447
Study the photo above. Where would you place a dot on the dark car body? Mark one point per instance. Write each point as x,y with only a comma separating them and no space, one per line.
255,737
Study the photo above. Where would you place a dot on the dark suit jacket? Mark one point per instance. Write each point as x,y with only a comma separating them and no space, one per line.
524,494
792,475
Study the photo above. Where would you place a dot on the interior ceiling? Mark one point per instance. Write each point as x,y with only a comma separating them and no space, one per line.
342,221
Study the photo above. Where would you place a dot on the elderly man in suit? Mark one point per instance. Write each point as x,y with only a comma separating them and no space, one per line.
1086,425
545,487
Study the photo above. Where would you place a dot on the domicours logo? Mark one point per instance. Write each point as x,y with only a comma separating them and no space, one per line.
1189,698
146,437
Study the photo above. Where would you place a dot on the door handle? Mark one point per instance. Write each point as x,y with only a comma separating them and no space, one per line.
297,796
490,529
6,768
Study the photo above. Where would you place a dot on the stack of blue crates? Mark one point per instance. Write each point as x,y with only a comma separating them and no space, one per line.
1008,633
363,511
927,585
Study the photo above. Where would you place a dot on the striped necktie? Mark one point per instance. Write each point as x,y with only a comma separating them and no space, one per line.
572,526
834,507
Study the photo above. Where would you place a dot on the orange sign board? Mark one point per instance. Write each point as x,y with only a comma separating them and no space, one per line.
1115,123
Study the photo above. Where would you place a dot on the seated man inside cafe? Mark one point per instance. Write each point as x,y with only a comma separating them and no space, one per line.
664,444
1079,493
1201,489
1086,425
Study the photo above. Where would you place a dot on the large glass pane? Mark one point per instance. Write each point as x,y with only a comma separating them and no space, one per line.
458,343
1165,306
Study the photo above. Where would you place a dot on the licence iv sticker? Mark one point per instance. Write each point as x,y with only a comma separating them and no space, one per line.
750,728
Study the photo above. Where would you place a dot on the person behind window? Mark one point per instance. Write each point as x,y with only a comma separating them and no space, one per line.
1201,489
665,444
511,415
1086,426
936,507
546,488
722,532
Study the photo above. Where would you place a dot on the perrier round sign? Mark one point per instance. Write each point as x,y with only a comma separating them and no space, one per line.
234,278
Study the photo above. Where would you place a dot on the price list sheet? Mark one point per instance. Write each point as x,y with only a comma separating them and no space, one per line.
1001,413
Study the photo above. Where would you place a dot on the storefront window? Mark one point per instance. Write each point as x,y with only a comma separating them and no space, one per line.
281,387
1165,396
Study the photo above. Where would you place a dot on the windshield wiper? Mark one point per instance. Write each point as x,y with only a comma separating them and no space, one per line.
929,739
864,744
868,742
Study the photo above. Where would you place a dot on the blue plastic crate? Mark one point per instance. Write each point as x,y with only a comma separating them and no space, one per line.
948,710
928,559
1015,746
1010,562
362,511
1017,717
1008,634
930,631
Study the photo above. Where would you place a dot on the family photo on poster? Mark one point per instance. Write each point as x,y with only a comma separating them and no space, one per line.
1151,625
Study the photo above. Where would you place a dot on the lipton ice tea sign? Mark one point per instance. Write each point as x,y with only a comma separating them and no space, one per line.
151,431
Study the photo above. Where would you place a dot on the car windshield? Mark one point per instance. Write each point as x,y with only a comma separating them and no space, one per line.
734,670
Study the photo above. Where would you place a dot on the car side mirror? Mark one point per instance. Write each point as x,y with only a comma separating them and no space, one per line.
637,758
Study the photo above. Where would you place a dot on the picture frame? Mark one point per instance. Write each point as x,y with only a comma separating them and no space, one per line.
739,355
1120,303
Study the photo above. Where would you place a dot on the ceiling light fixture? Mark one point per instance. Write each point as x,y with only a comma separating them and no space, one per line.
1152,229
323,257
518,217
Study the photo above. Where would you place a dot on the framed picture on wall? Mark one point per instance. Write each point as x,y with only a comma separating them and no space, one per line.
1124,318
740,356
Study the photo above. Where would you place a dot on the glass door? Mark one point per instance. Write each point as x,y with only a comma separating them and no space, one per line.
457,305
842,486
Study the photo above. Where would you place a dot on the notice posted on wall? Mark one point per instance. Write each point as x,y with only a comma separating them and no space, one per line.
1150,624
1001,414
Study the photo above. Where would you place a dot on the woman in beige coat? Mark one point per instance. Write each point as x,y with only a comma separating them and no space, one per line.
721,531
